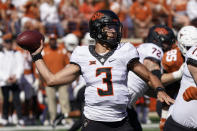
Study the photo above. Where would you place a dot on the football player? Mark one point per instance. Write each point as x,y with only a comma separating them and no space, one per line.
183,115
104,66
172,64
160,38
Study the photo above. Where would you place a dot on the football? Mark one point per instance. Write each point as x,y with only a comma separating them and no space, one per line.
29,40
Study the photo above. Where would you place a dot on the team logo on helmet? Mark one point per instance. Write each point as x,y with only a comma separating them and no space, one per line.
161,31
181,36
97,15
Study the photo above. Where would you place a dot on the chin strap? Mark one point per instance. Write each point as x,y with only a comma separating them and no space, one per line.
109,44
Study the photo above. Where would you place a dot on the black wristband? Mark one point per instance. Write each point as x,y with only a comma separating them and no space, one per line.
160,89
36,57
157,73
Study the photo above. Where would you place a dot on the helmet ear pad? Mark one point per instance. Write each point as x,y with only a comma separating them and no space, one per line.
94,29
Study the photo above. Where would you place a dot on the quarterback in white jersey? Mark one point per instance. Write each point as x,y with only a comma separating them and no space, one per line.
108,83
104,66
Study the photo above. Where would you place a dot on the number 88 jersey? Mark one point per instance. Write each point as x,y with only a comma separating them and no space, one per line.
106,93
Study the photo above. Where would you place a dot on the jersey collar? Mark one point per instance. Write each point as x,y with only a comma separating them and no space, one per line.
100,58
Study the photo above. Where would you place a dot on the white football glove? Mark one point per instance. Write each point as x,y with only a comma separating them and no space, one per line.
178,74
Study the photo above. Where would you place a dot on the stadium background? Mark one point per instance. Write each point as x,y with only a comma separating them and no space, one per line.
71,16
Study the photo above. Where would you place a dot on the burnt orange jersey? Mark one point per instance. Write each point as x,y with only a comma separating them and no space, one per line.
172,60
55,59
140,12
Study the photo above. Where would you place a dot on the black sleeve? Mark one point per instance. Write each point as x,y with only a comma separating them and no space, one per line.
153,59
191,61
132,63
77,65
157,73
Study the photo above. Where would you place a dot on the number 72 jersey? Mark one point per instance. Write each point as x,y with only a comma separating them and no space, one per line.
106,94
137,86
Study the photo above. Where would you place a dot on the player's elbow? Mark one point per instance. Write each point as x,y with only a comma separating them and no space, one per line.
51,82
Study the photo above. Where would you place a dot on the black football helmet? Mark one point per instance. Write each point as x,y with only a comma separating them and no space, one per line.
101,19
161,35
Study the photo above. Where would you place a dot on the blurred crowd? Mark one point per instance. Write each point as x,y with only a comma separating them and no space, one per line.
24,97
71,16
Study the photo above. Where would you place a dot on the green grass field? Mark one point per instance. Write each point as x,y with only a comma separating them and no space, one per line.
150,127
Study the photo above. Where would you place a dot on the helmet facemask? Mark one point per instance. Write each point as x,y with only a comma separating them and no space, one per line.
183,48
110,35
105,28
165,42
187,37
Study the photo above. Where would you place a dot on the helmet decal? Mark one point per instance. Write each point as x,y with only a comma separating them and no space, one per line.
181,35
161,31
97,15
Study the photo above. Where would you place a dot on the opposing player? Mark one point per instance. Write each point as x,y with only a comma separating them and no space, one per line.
172,64
160,38
104,67
183,116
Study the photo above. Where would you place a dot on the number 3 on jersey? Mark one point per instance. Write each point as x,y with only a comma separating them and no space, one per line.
107,80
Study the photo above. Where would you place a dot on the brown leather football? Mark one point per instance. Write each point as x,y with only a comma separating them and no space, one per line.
29,40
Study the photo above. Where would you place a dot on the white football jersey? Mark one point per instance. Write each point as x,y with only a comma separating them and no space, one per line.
184,112
106,94
137,86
